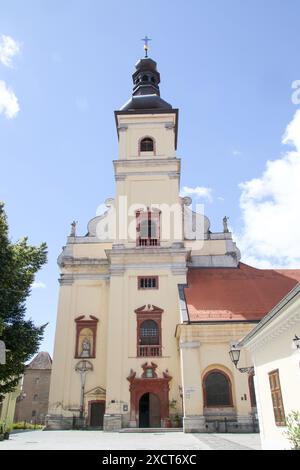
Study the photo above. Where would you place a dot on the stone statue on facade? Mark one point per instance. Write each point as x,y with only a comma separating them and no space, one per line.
225,224
73,229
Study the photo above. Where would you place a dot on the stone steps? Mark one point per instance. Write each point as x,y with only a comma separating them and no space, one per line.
150,430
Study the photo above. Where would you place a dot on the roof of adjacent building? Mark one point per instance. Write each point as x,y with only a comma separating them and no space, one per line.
41,361
236,294
278,311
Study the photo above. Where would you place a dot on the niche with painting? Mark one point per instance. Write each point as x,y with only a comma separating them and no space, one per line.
86,333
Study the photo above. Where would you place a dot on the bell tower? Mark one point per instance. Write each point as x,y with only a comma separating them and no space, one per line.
147,259
147,171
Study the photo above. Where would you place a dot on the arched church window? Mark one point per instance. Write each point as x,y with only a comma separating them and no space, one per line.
147,145
145,78
149,333
217,389
152,79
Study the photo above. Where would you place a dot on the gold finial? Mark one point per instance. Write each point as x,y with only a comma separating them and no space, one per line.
146,45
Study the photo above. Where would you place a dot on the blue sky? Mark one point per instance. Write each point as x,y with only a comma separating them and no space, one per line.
227,65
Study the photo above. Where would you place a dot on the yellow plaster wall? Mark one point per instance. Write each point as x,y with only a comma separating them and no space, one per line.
122,337
80,298
140,126
213,353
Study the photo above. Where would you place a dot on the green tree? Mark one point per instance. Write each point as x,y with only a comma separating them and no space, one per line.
19,263
293,429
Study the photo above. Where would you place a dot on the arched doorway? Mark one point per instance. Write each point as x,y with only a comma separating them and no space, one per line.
149,411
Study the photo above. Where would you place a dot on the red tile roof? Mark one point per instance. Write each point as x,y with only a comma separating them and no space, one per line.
234,294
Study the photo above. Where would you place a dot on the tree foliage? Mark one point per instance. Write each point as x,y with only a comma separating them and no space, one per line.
19,262
293,429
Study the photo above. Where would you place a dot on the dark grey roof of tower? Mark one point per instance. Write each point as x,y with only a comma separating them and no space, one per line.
145,93
41,361
145,102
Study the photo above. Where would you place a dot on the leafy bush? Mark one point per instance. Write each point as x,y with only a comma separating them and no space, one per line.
293,429
24,425
4,427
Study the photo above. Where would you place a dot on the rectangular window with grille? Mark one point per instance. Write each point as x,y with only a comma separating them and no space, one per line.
277,398
148,282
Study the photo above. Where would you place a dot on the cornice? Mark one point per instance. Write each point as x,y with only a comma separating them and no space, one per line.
69,279
189,344
217,333
171,174
272,332
172,257
146,162
70,261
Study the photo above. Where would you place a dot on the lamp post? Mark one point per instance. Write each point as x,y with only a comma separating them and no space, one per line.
83,367
234,354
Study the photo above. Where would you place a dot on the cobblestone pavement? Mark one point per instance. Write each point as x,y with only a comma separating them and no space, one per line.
230,441
98,440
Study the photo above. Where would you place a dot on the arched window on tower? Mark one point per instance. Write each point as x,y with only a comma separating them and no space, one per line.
148,228
217,389
147,145
149,331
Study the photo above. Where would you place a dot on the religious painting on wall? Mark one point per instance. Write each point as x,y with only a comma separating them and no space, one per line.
86,331
85,342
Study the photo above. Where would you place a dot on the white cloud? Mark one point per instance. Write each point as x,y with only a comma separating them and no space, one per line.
236,153
8,49
270,208
198,191
9,104
38,285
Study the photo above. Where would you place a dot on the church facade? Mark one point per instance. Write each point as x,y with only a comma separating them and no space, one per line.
151,300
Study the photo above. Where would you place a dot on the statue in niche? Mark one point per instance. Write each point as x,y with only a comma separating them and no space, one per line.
225,224
85,348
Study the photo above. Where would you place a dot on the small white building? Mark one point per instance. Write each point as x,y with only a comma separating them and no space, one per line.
275,350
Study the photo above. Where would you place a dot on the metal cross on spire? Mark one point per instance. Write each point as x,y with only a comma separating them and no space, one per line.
146,46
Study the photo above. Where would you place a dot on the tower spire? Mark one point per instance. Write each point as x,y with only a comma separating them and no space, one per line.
146,79
146,45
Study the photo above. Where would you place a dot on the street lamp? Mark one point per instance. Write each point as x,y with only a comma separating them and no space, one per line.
297,342
234,354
